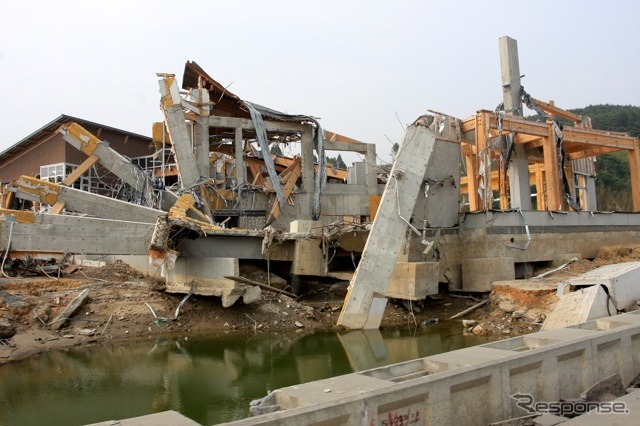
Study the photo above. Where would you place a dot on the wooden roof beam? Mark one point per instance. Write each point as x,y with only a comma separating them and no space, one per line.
551,109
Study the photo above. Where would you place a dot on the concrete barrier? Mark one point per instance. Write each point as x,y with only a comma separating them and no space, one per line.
468,386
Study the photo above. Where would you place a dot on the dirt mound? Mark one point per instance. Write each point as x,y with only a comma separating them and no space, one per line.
619,253
117,271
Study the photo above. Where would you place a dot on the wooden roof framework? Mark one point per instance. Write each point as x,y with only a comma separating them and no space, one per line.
481,153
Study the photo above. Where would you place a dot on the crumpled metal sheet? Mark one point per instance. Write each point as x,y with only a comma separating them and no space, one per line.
257,111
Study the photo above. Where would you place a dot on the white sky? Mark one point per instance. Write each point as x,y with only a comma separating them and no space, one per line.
354,64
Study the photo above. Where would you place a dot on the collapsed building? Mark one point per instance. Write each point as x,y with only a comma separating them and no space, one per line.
456,207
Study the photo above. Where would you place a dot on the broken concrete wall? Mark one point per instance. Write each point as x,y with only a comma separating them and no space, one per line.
205,276
437,203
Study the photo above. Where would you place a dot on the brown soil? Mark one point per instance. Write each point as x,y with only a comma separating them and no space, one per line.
116,309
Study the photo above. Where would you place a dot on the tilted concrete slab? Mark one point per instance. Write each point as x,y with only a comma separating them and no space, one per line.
621,279
79,235
365,300
97,205
580,306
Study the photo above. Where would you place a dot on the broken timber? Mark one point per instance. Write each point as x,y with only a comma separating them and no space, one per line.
365,300
119,165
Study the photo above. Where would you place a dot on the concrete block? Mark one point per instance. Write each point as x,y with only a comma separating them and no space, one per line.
308,258
71,308
305,227
479,273
621,279
578,307
252,294
414,280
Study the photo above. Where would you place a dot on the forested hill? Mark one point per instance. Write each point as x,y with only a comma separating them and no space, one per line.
613,184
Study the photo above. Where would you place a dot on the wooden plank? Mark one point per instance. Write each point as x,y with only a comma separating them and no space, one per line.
472,179
634,167
503,184
80,170
552,171
541,200
550,108
71,178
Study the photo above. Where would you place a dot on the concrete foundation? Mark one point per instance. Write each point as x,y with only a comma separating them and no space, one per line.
553,237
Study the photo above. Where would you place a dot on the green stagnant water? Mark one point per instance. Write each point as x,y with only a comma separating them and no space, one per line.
210,380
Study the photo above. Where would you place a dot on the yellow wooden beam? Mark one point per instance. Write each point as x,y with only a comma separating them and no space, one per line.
552,172
551,109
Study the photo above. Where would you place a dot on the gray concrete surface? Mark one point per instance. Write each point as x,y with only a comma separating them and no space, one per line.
549,365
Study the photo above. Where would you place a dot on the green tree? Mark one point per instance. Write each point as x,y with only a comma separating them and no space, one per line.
275,149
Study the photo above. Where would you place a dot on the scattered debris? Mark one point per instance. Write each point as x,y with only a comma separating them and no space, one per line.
85,331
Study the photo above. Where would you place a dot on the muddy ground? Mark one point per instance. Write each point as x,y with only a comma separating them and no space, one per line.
116,308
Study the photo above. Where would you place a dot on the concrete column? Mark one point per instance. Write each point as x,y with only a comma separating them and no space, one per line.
591,202
520,190
371,169
202,145
241,169
365,301
308,175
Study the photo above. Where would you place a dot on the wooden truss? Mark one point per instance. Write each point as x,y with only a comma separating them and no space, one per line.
485,163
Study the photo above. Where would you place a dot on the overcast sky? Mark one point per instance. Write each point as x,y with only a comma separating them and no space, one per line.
363,67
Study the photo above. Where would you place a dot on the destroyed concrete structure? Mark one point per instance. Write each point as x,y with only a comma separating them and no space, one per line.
216,197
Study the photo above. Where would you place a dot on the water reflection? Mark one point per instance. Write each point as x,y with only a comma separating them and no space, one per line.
210,380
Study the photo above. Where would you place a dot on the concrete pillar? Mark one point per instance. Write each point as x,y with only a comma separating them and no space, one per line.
591,202
365,301
202,145
371,169
241,169
520,190
177,127
308,175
